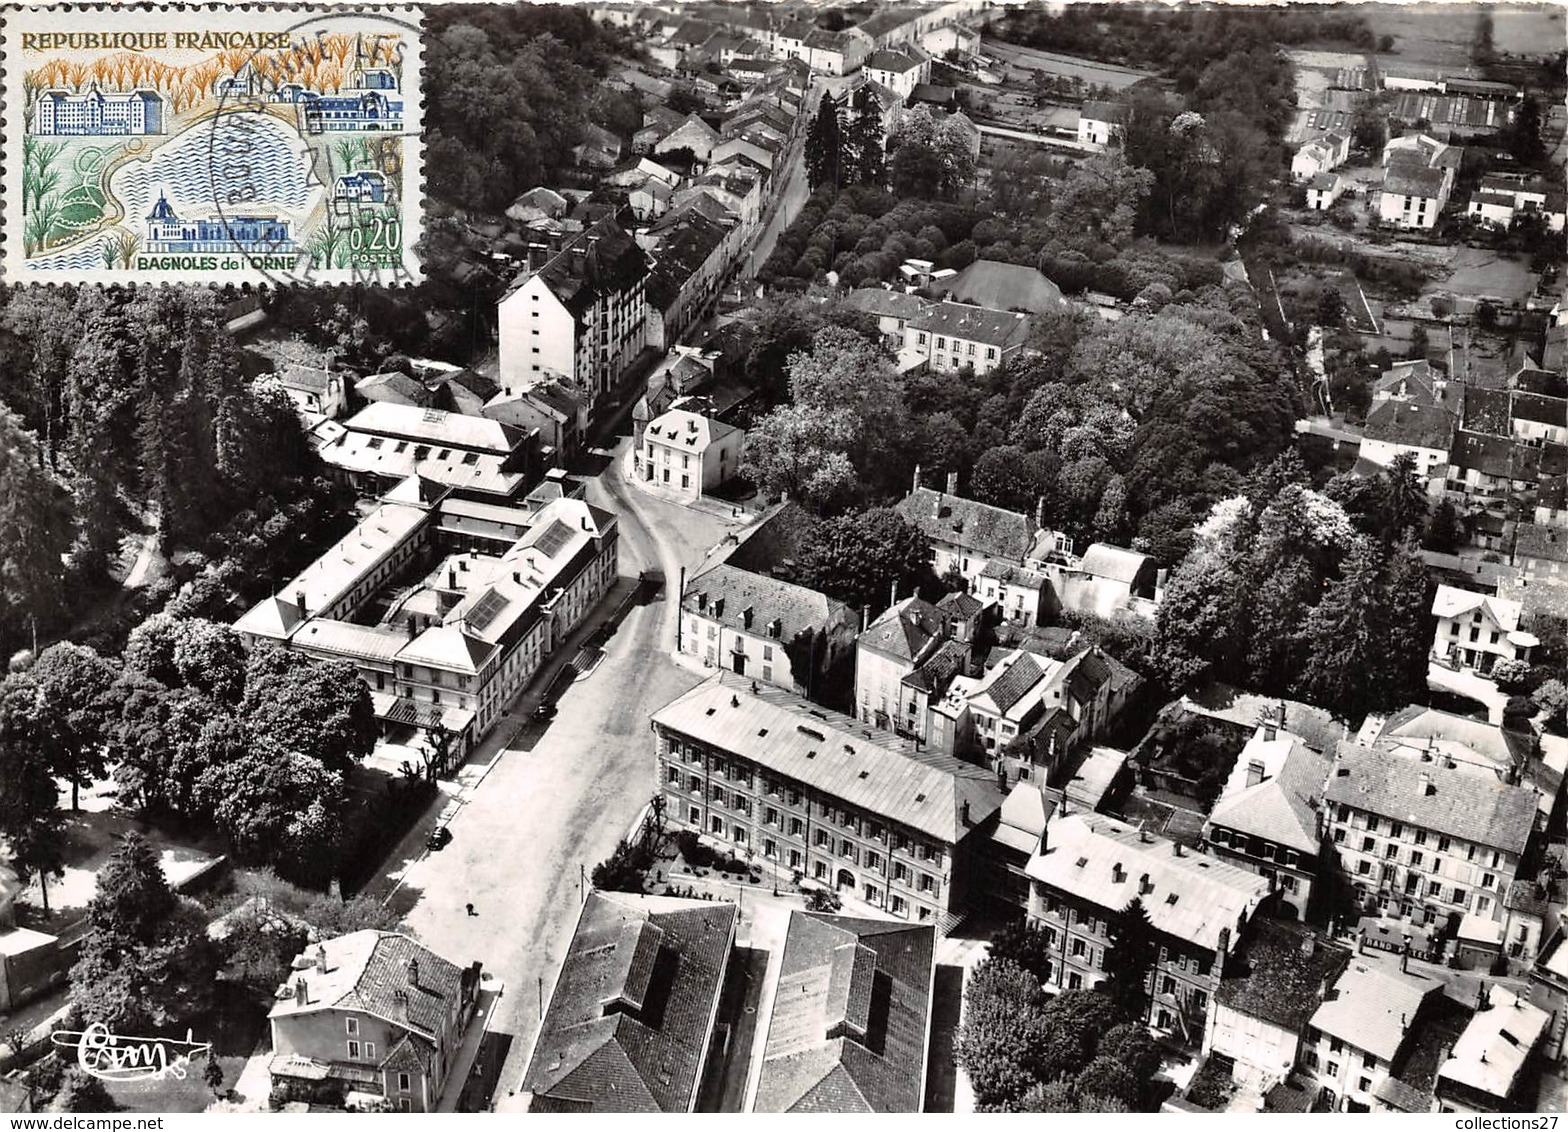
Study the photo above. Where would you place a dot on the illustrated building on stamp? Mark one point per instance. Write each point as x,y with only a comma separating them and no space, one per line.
211,145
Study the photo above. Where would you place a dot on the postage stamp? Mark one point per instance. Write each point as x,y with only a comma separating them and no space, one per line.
211,144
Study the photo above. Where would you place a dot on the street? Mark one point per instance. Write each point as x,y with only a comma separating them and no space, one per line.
557,797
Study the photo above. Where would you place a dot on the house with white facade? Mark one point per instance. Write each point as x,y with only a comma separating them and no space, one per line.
689,454
1424,431
951,336
1475,631
900,69
1100,124
1321,155
1324,190
1500,199
1418,176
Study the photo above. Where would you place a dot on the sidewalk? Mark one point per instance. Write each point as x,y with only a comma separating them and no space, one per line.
455,792
490,991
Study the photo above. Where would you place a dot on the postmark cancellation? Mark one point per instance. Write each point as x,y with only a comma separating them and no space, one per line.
211,144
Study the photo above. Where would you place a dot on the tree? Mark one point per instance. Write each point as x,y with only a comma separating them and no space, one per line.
1109,1080
825,145
75,684
1130,959
80,1091
1002,1039
860,558
1098,203
146,963
29,816
213,1074
319,710
1024,944
863,143
927,157
1511,675
1419,342
1552,698
1344,636
1524,134
802,452
1060,1096
1331,307
35,531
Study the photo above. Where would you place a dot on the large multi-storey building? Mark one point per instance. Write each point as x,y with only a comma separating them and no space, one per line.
98,113
1091,867
581,317
771,776
1427,840
493,591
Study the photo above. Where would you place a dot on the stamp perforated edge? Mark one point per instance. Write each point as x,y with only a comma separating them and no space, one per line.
411,271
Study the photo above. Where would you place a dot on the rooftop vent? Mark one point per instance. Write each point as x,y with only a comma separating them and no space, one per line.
810,733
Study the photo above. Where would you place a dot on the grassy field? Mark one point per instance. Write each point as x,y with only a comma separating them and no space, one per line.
1529,30
1426,35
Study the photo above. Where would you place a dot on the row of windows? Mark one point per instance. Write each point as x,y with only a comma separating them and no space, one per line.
958,347
1256,847
844,817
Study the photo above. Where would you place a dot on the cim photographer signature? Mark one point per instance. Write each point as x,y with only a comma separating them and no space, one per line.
115,1057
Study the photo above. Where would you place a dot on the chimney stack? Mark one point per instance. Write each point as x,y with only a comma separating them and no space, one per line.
963,812
892,593
299,601
917,479
413,973
301,992
952,483
1039,511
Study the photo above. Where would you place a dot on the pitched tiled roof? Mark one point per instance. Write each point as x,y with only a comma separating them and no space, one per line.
898,60
1013,682
936,672
1412,178
1495,456
837,755
796,608
905,630
883,303
691,431
1450,601
1534,540
375,972
1411,424
1278,972
1411,378
1281,808
849,1021
1190,897
1372,1008
960,605
973,324
1115,563
1096,111
1000,286
888,19
1491,1053
627,1027
967,523
1459,802
599,260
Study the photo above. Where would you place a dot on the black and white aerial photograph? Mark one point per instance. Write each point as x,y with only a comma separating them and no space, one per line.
783,556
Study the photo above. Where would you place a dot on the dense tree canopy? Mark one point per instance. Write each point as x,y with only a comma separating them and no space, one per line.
146,964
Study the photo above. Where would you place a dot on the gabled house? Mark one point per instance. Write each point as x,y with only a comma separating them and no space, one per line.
631,1018
1100,124
950,336
1474,630
1267,817
599,148
1321,155
1324,190
690,454
967,535
1368,1017
317,393
1492,1064
371,1012
693,134
998,286
766,629
1398,427
891,647
893,310
900,69
1418,176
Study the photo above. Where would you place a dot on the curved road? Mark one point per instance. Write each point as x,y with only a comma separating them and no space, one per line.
556,798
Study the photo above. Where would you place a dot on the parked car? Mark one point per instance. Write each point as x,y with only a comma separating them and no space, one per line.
440,837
